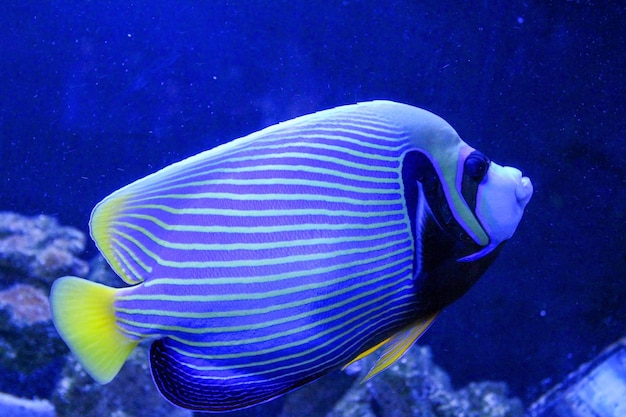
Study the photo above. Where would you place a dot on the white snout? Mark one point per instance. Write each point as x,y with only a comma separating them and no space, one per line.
501,199
524,190
500,202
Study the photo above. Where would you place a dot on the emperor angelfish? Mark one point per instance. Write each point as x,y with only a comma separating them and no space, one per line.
266,262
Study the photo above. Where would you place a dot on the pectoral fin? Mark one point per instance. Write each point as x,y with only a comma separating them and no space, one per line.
396,346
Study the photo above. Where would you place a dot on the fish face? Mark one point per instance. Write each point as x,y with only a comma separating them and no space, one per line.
501,197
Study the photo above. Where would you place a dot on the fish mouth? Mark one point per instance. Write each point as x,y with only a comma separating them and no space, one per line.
524,190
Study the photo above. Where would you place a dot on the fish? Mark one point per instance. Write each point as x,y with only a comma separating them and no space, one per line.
266,262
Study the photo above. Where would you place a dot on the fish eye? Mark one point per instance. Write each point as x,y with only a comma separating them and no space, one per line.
476,166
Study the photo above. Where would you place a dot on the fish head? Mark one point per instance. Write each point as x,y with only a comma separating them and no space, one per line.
473,207
475,202
497,196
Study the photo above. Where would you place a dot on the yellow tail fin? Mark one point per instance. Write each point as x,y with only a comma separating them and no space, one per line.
83,314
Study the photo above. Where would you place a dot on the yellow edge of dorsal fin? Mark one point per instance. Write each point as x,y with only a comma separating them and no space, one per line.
398,345
83,314
102,229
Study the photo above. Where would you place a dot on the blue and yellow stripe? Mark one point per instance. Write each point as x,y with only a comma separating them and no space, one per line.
264,263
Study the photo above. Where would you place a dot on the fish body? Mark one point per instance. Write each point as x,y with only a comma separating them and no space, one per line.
265,263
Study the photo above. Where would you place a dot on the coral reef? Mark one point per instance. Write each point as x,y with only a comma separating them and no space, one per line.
26,304
28,341
33,252
38,248
19,407
132,394
415,386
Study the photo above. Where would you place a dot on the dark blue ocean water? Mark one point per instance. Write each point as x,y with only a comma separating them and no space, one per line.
95,94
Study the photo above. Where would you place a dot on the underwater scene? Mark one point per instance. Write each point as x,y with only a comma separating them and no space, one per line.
319,209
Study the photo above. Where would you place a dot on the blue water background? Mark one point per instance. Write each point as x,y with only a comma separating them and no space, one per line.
95,94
